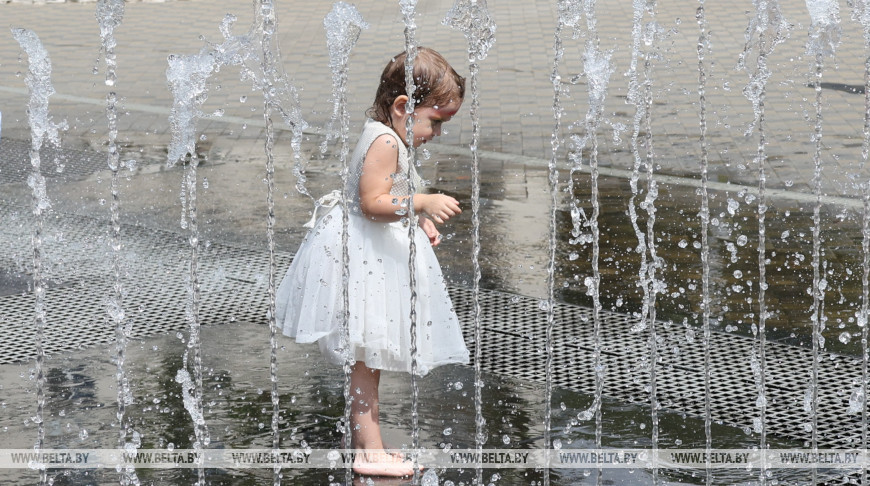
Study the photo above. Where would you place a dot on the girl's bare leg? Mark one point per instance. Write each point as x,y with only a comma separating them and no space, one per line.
364,420
366,427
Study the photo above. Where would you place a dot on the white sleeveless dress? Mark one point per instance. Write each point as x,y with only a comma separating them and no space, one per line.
309,304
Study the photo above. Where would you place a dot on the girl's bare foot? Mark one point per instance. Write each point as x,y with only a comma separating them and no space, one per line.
378,462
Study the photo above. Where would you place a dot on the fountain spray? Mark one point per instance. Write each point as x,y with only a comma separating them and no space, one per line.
343,26
472,18
109,14
703,48
42,129
824,36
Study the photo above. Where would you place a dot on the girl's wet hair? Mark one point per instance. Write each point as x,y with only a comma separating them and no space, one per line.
437,83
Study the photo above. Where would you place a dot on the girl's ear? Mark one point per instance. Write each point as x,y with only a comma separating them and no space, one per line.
397,109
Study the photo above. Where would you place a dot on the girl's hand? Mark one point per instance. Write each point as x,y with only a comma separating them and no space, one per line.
438,207
431,231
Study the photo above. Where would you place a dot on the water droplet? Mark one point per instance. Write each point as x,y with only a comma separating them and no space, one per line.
448,431
430,478
732,206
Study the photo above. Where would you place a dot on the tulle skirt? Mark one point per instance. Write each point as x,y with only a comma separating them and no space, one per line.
309,304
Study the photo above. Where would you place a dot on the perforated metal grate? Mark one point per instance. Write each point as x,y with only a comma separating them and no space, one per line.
233,283
15,155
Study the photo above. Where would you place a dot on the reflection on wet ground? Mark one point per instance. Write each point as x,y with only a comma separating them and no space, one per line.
81,413
513,258
733,258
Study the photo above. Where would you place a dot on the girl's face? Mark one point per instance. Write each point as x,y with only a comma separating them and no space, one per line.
427,122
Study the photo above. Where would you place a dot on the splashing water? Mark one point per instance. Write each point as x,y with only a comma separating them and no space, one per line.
343,25
188,396
265,27
472,19
767,29
597,70
640,95
270,78
409,11
258,57
703,48
38,81
567,17
188,76
861,13
825,28
109,14
822,42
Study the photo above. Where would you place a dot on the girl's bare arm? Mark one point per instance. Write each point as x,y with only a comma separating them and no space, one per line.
376,202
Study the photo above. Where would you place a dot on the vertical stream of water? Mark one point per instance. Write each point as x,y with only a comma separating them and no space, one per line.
703,48
267,23
766,29
409,11
472,18
861,13
597,70
38,81
343,26
187,78
566,8
761,331
823,39
109,15
640,95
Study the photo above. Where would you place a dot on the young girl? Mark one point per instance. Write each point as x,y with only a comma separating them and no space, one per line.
310,305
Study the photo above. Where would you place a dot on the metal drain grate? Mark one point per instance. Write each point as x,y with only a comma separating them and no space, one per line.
514,345
76,164
233,282
15,155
